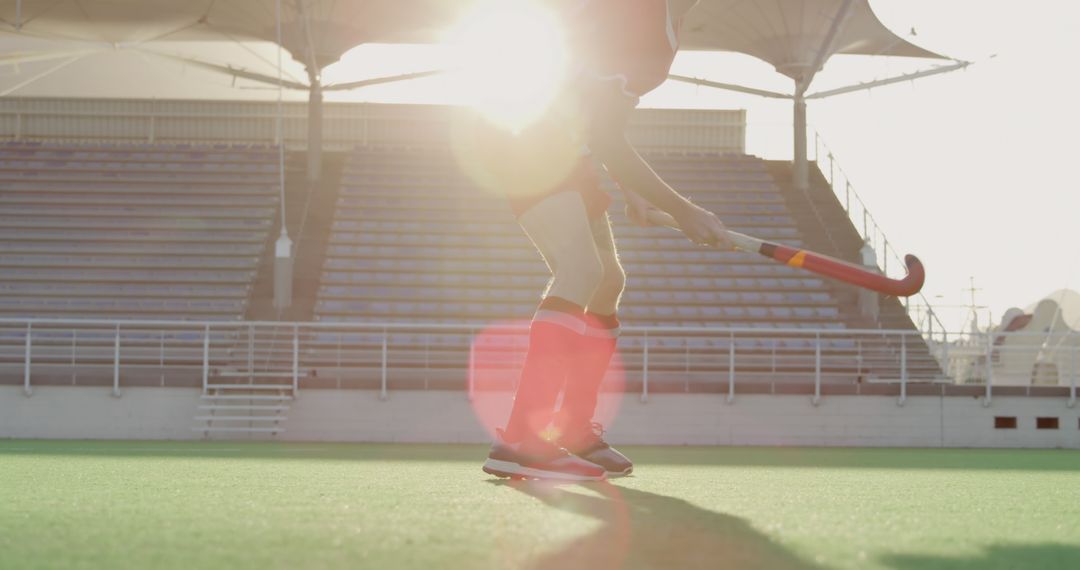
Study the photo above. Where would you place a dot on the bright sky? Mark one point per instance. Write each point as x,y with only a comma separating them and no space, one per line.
973,171
970,171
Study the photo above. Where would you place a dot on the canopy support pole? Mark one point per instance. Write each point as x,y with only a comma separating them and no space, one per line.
801,174
315,100
315,127
801,169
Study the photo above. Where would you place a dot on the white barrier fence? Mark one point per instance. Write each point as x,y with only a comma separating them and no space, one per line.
393,356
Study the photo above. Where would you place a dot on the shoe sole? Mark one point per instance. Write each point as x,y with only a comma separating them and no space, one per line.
500,468
617,474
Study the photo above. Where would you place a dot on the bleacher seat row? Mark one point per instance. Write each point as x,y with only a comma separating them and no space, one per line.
413,223
177,232
133,231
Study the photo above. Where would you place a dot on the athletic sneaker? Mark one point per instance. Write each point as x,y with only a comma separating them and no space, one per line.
538,459
588,443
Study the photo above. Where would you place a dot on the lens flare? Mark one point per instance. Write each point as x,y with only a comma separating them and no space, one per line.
511,58
531,162
497,354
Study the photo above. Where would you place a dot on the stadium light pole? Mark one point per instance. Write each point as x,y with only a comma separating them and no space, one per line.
283,259
315,125
315,97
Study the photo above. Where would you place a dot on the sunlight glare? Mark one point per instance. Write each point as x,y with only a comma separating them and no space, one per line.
511,60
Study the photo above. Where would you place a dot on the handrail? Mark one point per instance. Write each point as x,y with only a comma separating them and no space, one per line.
392,326
801,355
872,233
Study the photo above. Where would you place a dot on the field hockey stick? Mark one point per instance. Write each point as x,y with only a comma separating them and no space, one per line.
820,264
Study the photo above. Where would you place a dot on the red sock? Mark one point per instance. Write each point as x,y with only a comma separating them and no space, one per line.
587,372
554,338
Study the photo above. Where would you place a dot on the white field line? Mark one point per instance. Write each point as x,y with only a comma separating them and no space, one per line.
96,450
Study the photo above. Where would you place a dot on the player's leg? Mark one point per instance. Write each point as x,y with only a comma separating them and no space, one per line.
560,229
601,330
579,434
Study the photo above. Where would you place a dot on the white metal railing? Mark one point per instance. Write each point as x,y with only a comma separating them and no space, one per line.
922,313
383,356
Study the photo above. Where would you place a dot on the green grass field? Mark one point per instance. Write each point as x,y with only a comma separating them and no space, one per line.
68,504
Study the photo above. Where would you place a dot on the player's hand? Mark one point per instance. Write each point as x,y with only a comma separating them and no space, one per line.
637,210
702,227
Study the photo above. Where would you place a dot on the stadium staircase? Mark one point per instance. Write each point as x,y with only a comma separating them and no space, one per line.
308,214
250,390
826,227
251,395
234,409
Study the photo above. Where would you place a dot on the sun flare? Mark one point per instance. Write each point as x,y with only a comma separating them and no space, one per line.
511,60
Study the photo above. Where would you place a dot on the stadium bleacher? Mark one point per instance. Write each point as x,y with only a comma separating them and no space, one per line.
414,241
147,231
177,231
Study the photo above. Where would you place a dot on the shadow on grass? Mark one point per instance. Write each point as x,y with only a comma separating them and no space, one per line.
1048,556
643,530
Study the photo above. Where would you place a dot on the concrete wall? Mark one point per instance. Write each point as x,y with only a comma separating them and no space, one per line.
345,125
448,416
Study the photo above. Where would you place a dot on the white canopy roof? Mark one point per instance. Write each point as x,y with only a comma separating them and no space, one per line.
789,34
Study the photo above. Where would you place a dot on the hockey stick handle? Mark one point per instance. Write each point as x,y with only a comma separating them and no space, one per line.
821,264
